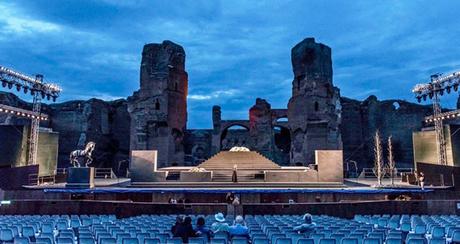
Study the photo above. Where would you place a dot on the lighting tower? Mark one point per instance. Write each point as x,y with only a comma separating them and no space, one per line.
434,89
39,90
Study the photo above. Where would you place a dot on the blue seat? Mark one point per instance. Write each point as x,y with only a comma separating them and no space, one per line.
197,240
21,240
108,241
368,240
6,235
456,236
152,241
394,240
86,240
438,232
416,240
130,240
327,241
350,240
305,241
175,240
437,241
44,240
218,241
283,240
64,240
260,241
420,229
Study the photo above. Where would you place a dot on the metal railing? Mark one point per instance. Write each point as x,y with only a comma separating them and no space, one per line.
99,173
398,172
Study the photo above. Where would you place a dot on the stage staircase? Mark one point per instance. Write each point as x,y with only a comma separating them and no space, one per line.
250,166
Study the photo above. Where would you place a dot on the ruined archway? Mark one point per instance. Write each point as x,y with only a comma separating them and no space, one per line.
282,138
234,135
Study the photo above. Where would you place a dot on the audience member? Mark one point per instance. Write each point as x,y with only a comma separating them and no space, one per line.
185,230
179,221
421,179
219,225
229,198
238,228
202,230
306,228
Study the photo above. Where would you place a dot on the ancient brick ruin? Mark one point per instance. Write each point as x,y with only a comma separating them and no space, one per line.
155,117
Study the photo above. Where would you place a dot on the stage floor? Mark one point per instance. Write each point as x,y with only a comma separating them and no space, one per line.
351,186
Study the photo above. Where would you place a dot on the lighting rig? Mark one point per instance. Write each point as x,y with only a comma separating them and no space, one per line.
39,90
437,87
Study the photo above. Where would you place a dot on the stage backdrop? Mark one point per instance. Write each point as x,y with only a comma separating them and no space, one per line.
14,150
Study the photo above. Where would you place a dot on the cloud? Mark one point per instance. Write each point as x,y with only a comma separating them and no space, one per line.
213,95
236,51
17,23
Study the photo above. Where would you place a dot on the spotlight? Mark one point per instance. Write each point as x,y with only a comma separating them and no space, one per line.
424,97
448,89
455,87
25,89
10,85
430,95
32,92
4,83
43,94
441,92
18,87
48,97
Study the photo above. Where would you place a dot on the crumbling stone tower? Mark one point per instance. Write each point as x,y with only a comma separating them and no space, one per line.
158,110
314,108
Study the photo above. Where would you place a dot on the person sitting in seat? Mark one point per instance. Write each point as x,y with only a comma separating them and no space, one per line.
239,228
179,221
185,230
308,227
219,225
201,229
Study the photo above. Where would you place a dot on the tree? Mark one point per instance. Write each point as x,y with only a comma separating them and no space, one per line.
378,158
391,161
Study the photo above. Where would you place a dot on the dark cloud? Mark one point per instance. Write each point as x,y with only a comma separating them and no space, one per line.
236,50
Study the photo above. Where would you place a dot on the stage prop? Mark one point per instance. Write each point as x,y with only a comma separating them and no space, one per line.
252,167
143,167
80,177
439,175
86,154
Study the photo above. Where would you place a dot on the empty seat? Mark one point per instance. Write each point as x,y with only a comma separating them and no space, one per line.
350,240
86,240
175,240
261,241
306,241
64,240
21,240
327,241
368,240
218,241
152,241
283,240
108,241
6,235
416,240
393,240
437,241
130,240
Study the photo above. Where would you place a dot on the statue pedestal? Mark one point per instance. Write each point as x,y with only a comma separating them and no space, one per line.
82,177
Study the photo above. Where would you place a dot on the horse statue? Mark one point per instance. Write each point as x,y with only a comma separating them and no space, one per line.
86,153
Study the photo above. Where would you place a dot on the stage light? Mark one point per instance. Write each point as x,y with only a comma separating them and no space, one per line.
32,92
424,97
430,95
48,97
4,83
448,89
42,94
441,92
419,99
455,87
25,89
10,85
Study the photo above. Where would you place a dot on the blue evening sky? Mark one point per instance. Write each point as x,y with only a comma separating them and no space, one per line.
236,50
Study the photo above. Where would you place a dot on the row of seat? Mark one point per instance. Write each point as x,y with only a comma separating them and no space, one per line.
263,229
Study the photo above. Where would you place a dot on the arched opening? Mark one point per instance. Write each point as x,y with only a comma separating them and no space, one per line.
157,104
396,105
282,119
234,136
316,106
282,138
